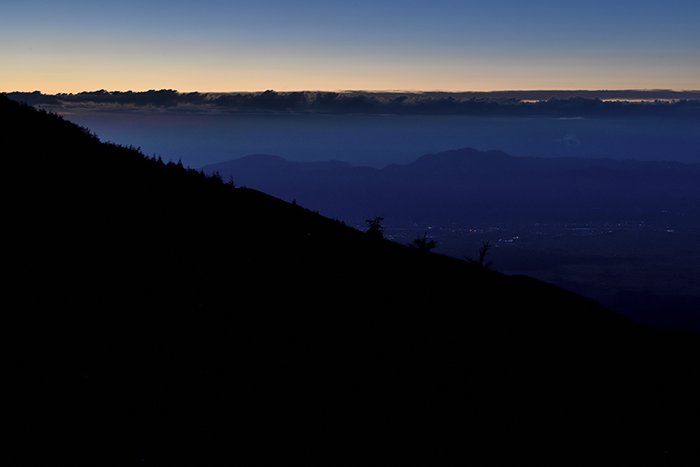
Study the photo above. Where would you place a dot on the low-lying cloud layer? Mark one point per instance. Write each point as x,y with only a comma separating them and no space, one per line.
555,103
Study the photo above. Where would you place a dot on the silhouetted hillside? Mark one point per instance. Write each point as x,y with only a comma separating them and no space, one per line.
470,186
157,315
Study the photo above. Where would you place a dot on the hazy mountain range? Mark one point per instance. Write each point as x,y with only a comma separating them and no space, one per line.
467,186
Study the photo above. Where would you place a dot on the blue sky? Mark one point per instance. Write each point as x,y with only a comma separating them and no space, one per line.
410,45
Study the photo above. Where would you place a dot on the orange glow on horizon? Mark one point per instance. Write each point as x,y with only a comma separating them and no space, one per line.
74,88
72,76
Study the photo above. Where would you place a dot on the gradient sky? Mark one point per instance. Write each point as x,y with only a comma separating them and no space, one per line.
215,45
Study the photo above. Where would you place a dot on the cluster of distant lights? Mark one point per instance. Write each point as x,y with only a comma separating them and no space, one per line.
614,99
577,229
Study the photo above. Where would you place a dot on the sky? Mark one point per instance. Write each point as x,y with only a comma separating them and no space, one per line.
251,45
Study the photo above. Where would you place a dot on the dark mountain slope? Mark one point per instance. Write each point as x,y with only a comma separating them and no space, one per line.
470,186
156,315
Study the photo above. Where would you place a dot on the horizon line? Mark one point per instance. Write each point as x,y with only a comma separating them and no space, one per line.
405,91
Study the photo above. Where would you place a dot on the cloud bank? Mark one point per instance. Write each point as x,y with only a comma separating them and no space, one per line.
513,103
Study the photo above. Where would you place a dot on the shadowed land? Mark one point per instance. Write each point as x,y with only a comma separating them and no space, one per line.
158,315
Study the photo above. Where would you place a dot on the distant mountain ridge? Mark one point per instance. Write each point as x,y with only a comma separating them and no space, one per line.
468,185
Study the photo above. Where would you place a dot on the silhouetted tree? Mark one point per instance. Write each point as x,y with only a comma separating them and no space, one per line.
423,243
483,252
375,227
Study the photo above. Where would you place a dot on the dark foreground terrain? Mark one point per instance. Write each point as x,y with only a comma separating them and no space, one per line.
156,315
